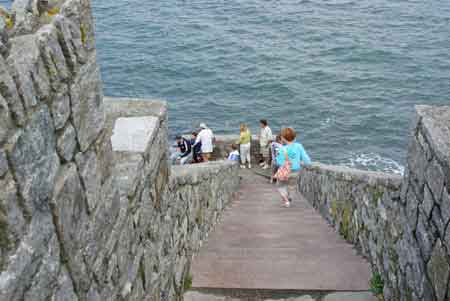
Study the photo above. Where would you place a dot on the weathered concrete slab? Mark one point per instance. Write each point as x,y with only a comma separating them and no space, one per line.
262,245
133,134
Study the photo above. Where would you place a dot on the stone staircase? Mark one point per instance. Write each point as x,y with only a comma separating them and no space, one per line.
263,251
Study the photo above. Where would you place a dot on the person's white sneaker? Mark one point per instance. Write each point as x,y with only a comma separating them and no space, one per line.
249,166
265,166
287,204
262,164
243,166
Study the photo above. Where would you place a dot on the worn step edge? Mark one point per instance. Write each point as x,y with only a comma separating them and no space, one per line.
225,294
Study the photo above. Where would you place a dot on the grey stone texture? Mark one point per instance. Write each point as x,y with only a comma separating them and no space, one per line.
400,225
232,295
78,220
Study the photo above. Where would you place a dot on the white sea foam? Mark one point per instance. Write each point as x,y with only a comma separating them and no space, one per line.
375,162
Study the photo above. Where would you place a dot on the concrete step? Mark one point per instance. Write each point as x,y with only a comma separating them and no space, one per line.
279,295
261,245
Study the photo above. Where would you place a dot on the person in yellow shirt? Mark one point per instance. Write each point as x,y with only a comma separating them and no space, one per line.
245,140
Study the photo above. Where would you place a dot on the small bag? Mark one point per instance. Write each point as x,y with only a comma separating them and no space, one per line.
284,171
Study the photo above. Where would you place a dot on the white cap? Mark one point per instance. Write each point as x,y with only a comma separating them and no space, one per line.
203,126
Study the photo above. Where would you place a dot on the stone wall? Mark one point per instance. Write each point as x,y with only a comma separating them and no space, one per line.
166,213
400,225
88,207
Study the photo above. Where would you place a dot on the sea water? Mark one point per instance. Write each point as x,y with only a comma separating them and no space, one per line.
345,74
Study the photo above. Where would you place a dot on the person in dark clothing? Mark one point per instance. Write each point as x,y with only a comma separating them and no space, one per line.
184,150
197,149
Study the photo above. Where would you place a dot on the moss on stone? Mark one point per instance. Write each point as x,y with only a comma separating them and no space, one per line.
346,220
377,286
377,195
9,21
334,209
187,285
83,33
4,238
53,11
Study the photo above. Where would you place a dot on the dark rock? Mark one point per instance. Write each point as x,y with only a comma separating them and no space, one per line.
35,161
29,70
3,163
87,104
61,109
439,270
67,143
9,92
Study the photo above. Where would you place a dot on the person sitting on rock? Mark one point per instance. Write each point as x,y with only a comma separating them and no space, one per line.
234,154
184,151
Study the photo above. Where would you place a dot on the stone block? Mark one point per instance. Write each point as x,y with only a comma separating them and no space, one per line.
64,290
71,43
3,163
6,124
28,68
416,165
427,202
133,134
439,271
26,15
71,218
61,108
79,12
436,129
20,272
12,221
425,237
91,176
351,296
67,143
9,92
52,55
86,98
47,277
34,159
445,207
435,178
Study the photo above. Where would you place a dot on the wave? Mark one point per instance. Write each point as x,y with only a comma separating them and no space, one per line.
374,162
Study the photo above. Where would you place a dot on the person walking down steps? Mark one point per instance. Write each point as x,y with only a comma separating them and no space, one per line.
245,139
290,159
265,138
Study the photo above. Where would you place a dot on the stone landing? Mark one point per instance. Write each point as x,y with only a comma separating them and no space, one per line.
263,247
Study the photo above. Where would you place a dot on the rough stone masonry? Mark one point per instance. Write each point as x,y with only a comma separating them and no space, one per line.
402,225
85,212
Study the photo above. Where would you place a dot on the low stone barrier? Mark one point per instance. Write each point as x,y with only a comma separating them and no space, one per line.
400,225
362,206
166,212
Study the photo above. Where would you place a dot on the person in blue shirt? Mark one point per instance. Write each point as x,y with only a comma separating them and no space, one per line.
297,156
234,154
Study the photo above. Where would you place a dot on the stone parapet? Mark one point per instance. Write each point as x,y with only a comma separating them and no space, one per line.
400,224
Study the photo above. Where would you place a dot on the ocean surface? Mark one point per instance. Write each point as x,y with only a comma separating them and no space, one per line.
345,74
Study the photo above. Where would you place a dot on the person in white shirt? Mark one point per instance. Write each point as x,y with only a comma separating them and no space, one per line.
265,138
205,137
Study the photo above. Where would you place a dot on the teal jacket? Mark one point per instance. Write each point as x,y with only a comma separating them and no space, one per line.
296,154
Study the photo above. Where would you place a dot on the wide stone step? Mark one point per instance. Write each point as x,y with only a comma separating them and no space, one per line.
271,295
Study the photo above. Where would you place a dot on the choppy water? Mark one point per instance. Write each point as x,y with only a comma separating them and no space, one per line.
346,74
